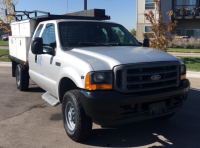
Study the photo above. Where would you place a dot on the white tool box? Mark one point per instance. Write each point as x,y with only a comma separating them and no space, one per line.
19,47
23,28
20,40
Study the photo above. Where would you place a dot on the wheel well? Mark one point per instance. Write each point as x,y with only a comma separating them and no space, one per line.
65,85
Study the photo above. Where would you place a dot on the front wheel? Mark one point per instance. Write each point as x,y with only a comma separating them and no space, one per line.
77,124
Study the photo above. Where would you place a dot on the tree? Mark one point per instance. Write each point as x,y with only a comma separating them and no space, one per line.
133,32
5,21
162,31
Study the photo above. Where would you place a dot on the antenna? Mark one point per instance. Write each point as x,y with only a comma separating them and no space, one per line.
67,6
85,4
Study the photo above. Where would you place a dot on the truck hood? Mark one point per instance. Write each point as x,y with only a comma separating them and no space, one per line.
106,58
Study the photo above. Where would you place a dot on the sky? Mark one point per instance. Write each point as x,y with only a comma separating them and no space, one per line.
121,11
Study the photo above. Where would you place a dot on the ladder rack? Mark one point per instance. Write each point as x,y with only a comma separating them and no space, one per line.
93,14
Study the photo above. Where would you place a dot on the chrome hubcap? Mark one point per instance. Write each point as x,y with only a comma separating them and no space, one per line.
70,116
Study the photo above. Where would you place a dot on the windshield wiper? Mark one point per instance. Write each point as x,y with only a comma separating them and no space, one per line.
93,44
106,44
103,44
122,44
87,43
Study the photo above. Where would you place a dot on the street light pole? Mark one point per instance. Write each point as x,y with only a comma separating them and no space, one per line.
85,4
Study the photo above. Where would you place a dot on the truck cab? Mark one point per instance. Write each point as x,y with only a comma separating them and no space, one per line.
99,73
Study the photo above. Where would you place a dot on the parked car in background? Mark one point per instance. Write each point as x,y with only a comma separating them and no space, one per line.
5,37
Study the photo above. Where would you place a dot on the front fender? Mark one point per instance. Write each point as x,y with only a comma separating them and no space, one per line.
71,74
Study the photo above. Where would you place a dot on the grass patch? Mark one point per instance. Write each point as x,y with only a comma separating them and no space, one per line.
5,60
4,43
192,63
4,52
183,50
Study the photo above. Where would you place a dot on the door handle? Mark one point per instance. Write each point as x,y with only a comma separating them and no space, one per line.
36,58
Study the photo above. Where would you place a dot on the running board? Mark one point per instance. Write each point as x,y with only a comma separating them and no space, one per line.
50,99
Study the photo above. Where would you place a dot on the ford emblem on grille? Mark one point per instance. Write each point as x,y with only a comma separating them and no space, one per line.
156,77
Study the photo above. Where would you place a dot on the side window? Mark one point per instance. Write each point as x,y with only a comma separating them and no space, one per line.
39,30
49,38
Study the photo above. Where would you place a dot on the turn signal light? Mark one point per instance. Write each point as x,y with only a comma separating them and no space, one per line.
89,86
183,77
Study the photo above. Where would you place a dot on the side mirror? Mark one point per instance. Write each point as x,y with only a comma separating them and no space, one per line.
146,42
37,46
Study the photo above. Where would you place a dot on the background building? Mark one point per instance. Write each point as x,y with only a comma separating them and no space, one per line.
186,12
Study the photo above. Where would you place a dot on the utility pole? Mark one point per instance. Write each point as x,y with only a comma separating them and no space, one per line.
85,4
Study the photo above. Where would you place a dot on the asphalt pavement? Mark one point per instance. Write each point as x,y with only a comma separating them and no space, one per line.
26,121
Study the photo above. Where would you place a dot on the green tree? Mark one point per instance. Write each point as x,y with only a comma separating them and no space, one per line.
133,32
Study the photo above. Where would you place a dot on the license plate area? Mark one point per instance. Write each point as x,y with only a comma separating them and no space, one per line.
157,108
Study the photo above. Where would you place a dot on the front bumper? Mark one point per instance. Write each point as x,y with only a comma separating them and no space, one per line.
108,108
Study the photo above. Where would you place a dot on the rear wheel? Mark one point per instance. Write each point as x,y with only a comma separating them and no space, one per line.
14,65
77,124
22,77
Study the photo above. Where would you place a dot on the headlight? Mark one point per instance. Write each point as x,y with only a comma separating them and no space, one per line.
99,81
183,69
183,72
99,77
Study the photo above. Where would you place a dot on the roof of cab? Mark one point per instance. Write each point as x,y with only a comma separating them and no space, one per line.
74,20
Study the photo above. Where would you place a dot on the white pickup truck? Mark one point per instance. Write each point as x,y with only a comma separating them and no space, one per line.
97,70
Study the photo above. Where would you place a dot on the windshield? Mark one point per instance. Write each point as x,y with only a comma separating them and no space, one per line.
75,34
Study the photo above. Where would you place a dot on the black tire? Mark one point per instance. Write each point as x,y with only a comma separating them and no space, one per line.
166,116
22,77
14,65
83,123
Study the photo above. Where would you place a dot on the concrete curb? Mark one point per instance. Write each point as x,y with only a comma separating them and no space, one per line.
4,47
5,64
190,74
184,54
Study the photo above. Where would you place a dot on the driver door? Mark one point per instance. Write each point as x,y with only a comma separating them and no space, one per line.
45,61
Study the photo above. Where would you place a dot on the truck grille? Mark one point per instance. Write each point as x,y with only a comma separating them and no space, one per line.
139,77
